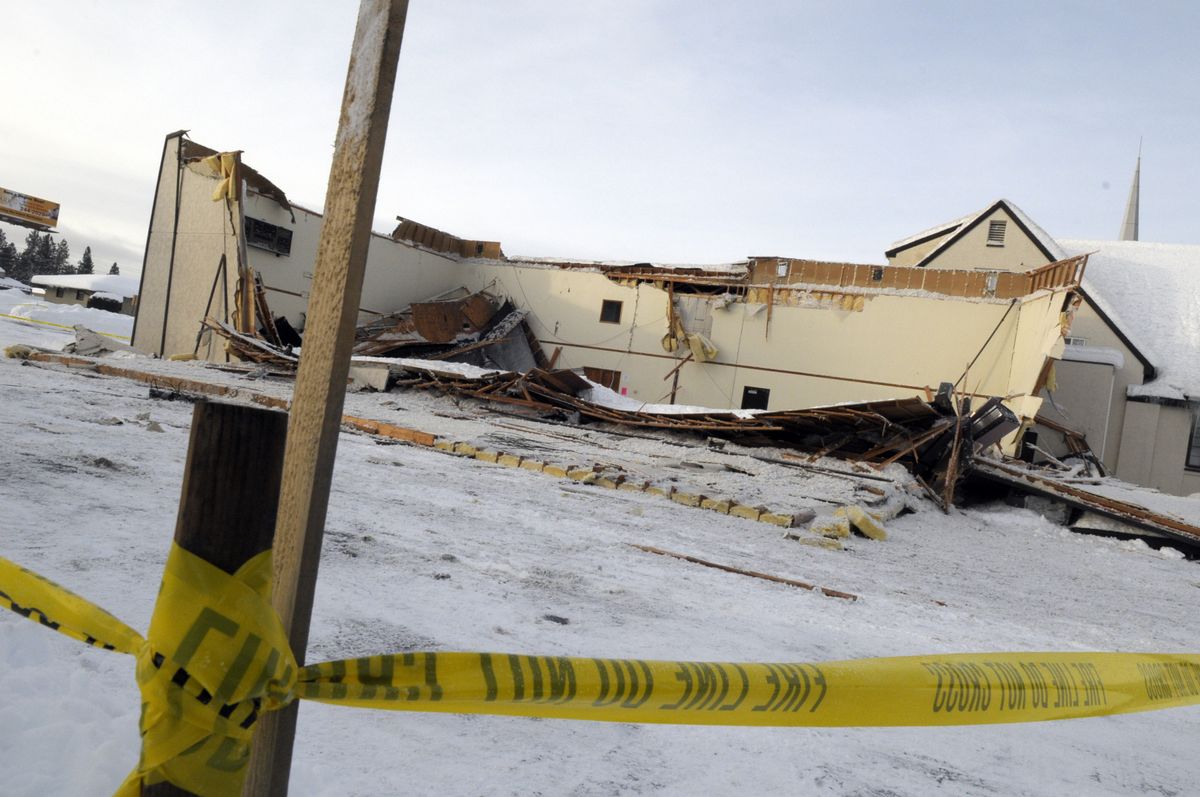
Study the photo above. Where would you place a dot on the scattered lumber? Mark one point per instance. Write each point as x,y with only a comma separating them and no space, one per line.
1026,479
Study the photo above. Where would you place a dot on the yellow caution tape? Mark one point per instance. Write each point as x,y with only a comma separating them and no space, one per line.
216,658
60,326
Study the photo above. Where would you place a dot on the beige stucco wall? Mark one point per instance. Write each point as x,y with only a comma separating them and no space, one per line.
69,296
396,274
1093,395
812,355
1019,252
1154,448
177,284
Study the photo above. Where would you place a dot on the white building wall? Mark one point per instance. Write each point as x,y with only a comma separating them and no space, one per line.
397,273
811,354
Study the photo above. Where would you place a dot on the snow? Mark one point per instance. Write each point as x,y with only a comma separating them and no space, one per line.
436,366
123,285
1042,237
14,302
722,269
607,397
1094,354
940,229
1153,291
1180,507
428,551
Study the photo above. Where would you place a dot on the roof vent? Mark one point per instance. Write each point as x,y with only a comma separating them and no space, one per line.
996,233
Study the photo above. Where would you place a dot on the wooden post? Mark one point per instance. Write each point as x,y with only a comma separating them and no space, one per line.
328,336
230,492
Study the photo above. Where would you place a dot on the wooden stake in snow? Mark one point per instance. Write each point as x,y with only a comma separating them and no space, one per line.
328,336
230,488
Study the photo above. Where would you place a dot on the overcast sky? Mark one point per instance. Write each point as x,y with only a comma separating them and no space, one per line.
674,131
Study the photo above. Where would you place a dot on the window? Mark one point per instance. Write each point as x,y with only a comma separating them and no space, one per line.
783,268
59,292
996,233
263,235
610,312
1193,452
1073,340
755,398
80,295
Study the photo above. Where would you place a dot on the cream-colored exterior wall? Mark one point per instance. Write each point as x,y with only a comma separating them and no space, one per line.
1019,253
1161,433
186,259
1140,442
397,274
70,296
1094,396
811,355
916,253
182,261
1087,393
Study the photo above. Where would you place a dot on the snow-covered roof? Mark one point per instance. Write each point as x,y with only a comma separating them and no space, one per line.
1101,355
954,229
124,285
723,269
1152,292
932,232
1039,235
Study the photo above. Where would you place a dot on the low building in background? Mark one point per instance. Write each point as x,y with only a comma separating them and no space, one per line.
113,292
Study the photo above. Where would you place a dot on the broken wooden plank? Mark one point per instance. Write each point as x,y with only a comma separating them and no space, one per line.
1123,511
832,593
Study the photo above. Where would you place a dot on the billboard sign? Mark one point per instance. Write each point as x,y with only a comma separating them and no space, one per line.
27,210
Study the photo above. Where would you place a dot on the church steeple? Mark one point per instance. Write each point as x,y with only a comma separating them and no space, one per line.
1129,227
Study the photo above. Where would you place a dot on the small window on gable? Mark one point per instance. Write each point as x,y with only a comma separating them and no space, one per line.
1193,452
996,233
610,312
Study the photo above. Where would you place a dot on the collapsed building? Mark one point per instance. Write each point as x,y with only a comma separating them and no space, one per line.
229,255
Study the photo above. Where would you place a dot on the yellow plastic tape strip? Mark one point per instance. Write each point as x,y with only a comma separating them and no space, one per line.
958,689
54,606
60,326
217,658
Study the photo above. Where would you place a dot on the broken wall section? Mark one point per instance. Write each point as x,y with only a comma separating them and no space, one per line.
190,236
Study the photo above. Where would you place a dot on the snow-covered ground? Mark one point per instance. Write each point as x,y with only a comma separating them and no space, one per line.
49,324
428,551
